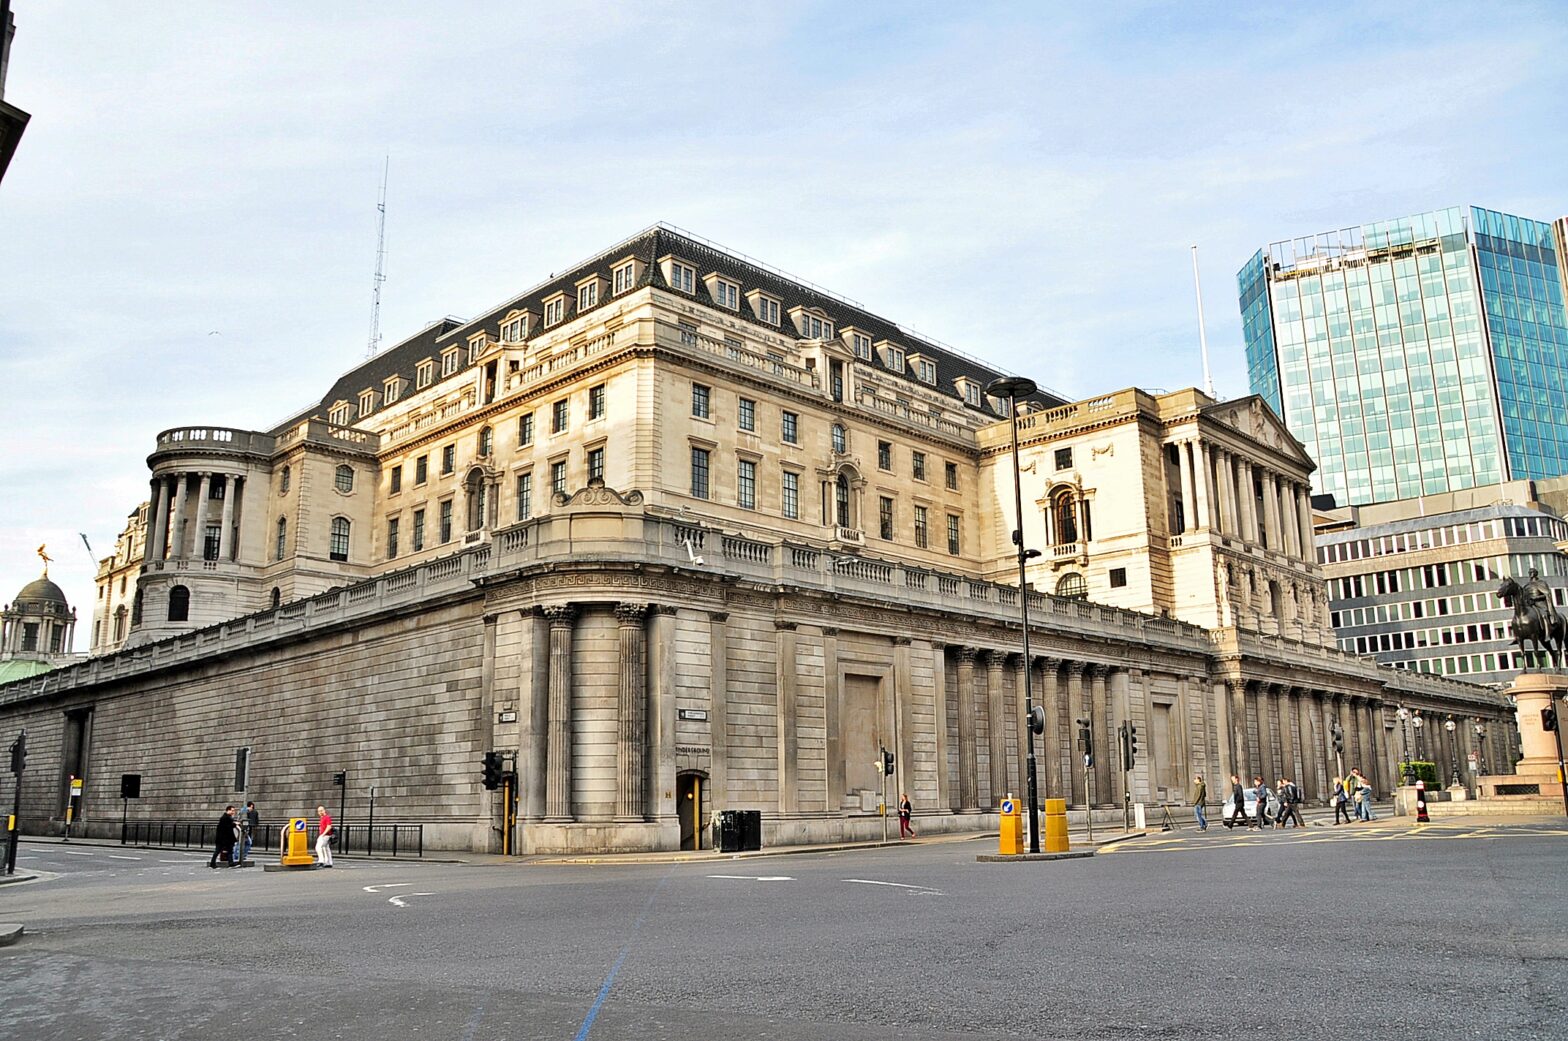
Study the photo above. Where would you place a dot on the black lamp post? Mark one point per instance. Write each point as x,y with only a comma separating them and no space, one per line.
1453,749
1012,388
1407,776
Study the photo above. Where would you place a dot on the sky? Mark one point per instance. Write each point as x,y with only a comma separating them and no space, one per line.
188,228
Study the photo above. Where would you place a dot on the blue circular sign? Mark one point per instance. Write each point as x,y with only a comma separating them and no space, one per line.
1007,806
299,825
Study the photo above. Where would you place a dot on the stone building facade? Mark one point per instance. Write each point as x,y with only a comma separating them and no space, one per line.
117,605
683,533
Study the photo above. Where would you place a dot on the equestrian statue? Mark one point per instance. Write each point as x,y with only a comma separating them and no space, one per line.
1536,620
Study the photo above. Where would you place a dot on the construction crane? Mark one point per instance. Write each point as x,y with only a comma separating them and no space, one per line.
381,263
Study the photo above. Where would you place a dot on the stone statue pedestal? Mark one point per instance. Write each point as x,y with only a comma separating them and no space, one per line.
1532,692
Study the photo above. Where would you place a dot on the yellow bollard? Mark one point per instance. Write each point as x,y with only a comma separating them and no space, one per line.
1012,838
1054,831
296,844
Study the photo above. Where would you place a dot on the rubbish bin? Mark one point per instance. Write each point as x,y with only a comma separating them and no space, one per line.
750,829
727,831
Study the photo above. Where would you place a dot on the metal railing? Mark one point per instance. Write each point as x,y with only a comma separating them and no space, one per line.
396,839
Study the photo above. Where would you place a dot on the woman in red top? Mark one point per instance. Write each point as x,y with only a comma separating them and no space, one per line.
323,837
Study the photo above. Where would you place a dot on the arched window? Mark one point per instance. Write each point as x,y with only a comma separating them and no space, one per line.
839,445
1064,517
136,609
337,547
1072,586
277,597
179,604
119,623
476,489
283,482
841,500
345,478
283,535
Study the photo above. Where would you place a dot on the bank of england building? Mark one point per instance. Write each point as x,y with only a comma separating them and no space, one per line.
683,533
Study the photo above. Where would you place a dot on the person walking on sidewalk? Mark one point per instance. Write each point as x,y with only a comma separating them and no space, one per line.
906,810
223,846
1289,803
1363,796
323,837
1200,798
1238,803
248,828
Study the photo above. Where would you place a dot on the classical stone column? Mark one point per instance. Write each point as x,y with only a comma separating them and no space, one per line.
1241,756
178,523
1104,734
1287,732
788,750
661,652
1226,483
1119,705
1200,469
558,755
1249,503
225,539
968,755
1311,780
631,802
160,505
1189,506
1018,738
1048,747
996,729
1304,519
1078,708
941,698
536,718
903,726
199,537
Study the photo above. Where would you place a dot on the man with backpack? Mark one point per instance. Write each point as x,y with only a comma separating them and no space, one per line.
1289,801
1238,803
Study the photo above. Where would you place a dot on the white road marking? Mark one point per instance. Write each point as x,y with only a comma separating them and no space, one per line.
397,901
385,885
173,862
118,856
896,885
75,852
757,878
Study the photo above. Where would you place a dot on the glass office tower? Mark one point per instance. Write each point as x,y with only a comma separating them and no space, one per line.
1418,355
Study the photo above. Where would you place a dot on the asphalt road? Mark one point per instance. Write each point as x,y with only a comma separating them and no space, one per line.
1452,931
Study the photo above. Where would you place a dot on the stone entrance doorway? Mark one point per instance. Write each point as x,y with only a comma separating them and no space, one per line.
691,795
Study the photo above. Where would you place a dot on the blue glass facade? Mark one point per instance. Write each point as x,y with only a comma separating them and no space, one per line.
1404,362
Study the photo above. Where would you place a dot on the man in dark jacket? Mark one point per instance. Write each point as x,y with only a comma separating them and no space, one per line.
1263,819
1289,803
225,842
1238,804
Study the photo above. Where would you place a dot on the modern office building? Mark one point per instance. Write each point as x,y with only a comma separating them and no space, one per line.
1414,582
1415,356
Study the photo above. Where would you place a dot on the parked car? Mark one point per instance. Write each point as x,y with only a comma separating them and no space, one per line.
1251,805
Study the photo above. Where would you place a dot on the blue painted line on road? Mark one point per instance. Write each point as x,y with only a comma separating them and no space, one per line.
609,981
473,1022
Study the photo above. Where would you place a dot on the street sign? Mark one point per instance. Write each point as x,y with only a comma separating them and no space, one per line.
76,787
1008,807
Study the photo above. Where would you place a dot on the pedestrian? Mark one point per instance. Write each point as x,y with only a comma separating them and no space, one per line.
1350,785
1238,803
1341,804
1289,802
223,846
1363,796
251,826
1263,819
906,810
323,837
1200,798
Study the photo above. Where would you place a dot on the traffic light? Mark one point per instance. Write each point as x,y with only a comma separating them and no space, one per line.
1086,742
19,753
1037,719
340,779
492,771
1132,745
1339,737
1549,719
887,763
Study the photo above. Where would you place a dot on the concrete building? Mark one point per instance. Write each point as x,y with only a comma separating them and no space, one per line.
1414,583
12,119
1416,356
683,532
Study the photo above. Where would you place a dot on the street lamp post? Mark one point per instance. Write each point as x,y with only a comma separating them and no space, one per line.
1012,388
1453,749
1407,775
1417,722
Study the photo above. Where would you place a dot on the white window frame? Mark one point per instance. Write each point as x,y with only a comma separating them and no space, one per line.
424,374
862,345
726,294
587,295
513,330
683,277
449,361
555,310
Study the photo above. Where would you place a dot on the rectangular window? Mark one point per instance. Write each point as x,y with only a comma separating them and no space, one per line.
367,403
424,374
422,469
525,429
512,331
448,460
417,541
446,521
895,359
862,347
396,480
791,495
726,294
922,530
746,485
596,464
789,428
560,415
952,476
449,362
885,517
392,523
337,542
525,496
927,371
952,534
768,310
554,310
587,296
392,389
884,455
682,277
700,397
558,477
1118,577
699,473
1064,458
688,333
596,402
210,539
625,277
748,414
918,461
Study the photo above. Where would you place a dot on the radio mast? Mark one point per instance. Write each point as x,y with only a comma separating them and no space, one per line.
1203,336
381,264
